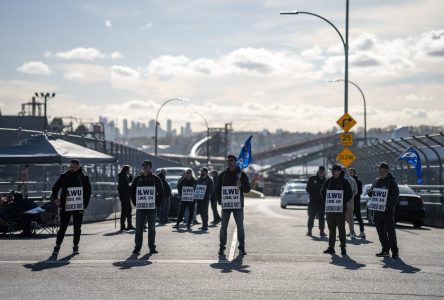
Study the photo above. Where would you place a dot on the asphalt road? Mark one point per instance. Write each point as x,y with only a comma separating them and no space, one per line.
281,263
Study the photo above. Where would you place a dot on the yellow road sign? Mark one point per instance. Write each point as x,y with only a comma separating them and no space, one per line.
346,157
346,122
346,139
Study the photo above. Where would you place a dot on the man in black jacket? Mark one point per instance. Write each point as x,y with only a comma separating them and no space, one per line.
216,217
316,205
165,205
146,195
74,198
185,188
202,193
357,202
123,187
386,188
232,185
336,191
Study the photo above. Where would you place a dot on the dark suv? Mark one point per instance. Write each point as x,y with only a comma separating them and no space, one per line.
410,207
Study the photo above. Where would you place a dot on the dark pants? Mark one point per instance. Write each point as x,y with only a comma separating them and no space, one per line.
336,220
312,212
357,212
216,216
238,215
65,216
164,210
126,211
202,208
183,206
385,226
142,215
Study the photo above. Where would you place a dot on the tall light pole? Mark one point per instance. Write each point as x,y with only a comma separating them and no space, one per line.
45,96
208,137
365,105
344,43
157,116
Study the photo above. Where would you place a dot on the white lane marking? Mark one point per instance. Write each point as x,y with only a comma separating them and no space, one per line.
233,245
111,261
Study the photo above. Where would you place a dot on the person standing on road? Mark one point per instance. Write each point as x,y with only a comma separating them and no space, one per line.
232,185
146,194
202,193
165,205
386,190
74,198
216,217
350,203
336,191
316,205
185,188
357,202
123,187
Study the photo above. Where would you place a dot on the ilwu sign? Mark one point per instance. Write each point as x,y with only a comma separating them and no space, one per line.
74,198
146,197
378,201
231,197
334,202
199,192
187,194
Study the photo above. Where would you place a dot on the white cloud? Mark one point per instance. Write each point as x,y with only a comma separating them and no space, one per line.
124,73
85,72
108,24
81,53
35,67
116,55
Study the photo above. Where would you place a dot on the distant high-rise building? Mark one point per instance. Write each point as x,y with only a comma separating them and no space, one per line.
125,127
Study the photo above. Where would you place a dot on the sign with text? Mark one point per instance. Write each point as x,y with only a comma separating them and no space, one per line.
346,139
346,122
187,194
146,197
334,202
378,201
231,197
346,157
74,198
199,192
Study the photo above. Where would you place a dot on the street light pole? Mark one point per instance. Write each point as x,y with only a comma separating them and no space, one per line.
365,105
208,137
157,123
344,43
45,96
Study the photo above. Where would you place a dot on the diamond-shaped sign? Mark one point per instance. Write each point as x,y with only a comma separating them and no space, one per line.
346,157
346,122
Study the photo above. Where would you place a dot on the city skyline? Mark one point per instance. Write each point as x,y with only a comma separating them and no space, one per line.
238,62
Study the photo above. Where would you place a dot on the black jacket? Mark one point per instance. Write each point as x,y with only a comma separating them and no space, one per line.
185,182
393,192
72,179
166,186
357,198
338,184
313,189
229,178
150,180
123,186
209,183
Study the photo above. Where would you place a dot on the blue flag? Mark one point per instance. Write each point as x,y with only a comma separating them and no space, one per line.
245,159
411,156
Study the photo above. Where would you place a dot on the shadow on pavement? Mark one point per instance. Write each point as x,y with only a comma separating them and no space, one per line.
118,232
133,261
346,262
359,241
49,263
228,267
320,239
411,227
399,264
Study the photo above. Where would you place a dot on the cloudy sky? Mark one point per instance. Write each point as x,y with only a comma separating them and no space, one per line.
236,61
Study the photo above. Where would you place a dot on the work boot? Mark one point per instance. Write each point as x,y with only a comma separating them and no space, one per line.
362,235
75,249
330,251
322,233
383,254
343,251
130,227
308,233
221,250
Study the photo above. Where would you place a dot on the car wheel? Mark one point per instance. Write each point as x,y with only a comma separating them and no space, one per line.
283,206
370,218
418,223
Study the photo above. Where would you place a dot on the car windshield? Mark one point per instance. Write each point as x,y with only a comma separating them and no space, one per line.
295,186
404,189
175,172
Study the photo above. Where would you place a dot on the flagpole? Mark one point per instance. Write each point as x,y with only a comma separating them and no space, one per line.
396,160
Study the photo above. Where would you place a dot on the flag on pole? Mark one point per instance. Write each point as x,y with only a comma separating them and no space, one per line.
245,159
412,157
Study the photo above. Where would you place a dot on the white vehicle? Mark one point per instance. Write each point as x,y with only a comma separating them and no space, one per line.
294,193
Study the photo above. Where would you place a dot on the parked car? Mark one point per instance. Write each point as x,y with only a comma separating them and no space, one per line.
172,177
410,207
294,193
